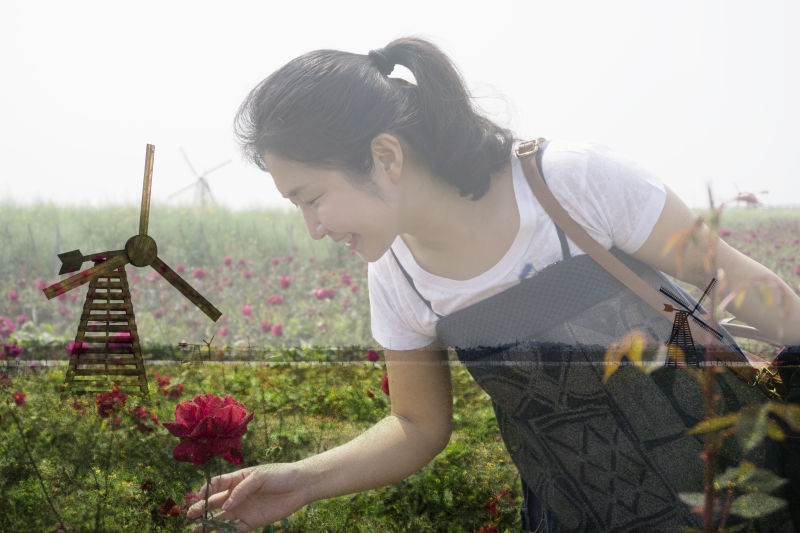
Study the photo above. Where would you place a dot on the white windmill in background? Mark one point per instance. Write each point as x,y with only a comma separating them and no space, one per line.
202,191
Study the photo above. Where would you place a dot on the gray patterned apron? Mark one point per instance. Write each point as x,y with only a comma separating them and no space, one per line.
591,456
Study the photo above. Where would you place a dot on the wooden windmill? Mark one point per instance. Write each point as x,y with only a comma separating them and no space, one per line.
680,345
202,191
106,350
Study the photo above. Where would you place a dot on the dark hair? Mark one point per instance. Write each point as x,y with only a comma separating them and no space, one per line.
323,108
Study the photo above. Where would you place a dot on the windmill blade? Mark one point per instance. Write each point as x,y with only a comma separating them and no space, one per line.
214,169
173,195
186,158
708,328
674,297
187,290
77,280
705,292
144,216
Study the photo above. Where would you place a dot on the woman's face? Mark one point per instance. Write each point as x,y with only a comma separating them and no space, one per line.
333,205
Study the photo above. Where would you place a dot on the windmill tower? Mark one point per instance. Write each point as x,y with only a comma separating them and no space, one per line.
106,350
680,346
202,191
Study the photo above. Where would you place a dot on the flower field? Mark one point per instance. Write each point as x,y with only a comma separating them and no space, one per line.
293,347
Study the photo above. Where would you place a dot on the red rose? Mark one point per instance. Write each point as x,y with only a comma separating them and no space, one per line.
207,426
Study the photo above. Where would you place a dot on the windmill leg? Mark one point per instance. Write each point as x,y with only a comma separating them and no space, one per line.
107,351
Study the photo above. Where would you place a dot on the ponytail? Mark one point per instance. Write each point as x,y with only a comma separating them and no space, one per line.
325,107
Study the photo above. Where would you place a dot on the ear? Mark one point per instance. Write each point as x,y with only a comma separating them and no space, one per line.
387,155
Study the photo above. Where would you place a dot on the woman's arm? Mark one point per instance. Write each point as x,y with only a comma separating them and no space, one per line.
417,429
690,262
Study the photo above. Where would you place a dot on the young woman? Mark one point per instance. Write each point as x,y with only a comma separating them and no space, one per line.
411,178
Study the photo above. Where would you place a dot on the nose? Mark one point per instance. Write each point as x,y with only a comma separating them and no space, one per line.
315,229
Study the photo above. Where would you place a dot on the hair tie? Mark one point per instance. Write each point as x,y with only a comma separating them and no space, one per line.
384,65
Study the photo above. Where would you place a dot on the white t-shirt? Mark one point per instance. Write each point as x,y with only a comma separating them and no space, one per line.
613,198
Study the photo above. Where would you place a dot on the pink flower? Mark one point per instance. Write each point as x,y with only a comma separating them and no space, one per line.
207,426
227,261
346,279
286,282
7,327
12,351
797,269
725,233
372,356
41,285
19,398
222,332
324,294
13,296
76,348
199,273
276,261
266,327
180,269
277,330
276,299
247,311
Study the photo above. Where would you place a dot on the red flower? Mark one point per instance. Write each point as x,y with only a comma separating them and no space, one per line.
489,529
169,508
385,384
207,426
372,356
107,402
286,282
19,398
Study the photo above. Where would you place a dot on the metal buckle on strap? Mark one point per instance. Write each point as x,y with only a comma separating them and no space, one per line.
528,148
769,381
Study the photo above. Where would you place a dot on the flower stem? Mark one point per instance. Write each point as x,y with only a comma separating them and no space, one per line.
35,467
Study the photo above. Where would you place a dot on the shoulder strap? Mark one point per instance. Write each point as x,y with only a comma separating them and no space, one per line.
761,376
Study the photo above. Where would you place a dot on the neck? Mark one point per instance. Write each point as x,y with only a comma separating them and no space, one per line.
455,236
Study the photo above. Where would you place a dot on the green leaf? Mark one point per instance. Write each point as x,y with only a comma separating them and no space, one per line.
761,480
751,428
756,505
693,499
716,423
789,413
733,474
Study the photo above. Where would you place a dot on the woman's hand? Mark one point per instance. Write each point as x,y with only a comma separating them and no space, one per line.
253,497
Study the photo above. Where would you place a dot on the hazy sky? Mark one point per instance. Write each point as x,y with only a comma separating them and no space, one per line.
698,91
